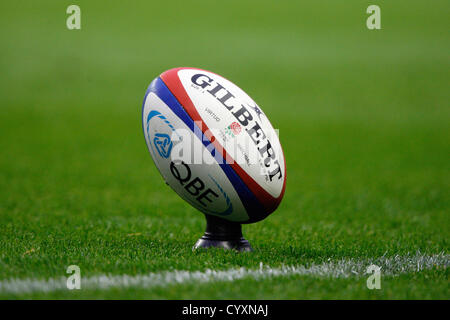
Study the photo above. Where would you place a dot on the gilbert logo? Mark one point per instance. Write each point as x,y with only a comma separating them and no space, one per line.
163,144
245,120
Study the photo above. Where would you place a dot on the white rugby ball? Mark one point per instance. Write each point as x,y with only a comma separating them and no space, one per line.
213,145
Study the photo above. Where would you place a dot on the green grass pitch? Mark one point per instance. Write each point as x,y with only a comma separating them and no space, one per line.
364,121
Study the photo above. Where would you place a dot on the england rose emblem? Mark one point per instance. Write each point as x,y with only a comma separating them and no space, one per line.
236,128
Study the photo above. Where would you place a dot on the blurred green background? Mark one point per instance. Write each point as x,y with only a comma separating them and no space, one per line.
363,117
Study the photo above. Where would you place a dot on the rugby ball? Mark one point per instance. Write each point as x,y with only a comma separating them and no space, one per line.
213,145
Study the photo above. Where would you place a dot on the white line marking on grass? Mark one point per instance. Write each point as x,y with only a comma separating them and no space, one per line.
390,266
